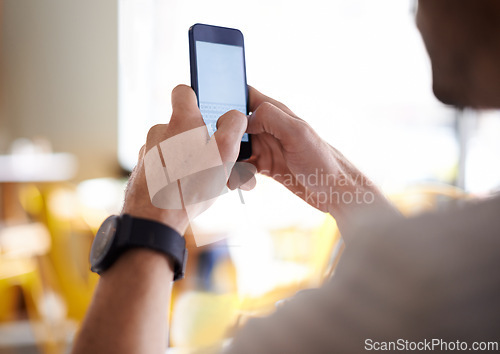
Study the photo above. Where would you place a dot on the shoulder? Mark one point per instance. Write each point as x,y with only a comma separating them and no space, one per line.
472,227
433,274
431,246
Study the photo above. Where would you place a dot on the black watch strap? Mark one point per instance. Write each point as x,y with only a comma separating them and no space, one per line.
137,232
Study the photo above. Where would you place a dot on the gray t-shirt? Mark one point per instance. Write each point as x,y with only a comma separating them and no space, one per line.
436,276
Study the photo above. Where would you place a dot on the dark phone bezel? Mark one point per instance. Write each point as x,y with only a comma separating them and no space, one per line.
221,35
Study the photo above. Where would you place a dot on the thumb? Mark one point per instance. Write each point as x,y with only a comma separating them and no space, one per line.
185,112
230,129
268,118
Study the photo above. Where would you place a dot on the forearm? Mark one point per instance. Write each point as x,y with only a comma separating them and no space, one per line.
130,307
359,200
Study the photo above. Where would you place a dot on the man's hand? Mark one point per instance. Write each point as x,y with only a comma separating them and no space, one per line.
186,117
130,307
287,149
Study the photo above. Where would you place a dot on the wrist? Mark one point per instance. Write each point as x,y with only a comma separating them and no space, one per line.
142,262
353,190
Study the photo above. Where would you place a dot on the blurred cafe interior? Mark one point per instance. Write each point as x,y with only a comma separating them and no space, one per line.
81,82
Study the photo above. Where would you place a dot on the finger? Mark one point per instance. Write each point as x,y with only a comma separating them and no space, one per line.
156,135
184,100
249,185
185,112
256,98
270,119
242,176
141,152
230,129
267,154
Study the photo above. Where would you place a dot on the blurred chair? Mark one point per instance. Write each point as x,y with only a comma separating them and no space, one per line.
22,272
57,207
46,261
20,247
45,244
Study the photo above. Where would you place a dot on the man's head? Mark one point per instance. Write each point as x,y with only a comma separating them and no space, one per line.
463,41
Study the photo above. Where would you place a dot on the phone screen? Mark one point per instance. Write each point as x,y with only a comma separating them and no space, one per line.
221,81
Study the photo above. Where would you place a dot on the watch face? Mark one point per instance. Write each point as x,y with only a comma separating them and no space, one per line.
103,240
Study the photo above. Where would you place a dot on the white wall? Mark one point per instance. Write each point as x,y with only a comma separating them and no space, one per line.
59,78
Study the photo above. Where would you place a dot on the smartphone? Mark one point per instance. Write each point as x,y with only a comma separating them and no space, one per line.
218,75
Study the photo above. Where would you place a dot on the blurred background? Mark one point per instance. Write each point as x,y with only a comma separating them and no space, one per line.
81,82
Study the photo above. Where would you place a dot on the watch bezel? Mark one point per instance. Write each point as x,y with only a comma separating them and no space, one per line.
107,256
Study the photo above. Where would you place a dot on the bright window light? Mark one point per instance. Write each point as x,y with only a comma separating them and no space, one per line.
355,70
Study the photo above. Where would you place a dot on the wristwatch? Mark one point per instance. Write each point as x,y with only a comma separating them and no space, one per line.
120,233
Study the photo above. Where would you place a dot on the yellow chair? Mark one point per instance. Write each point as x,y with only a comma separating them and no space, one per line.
56,206
24,272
